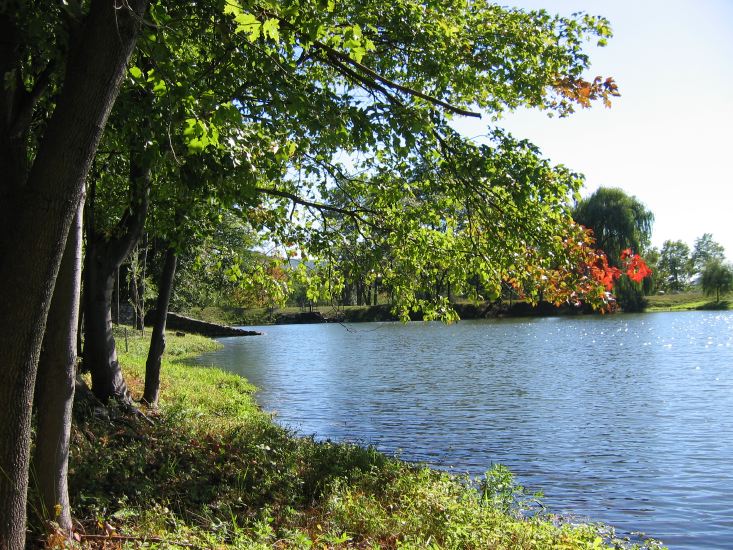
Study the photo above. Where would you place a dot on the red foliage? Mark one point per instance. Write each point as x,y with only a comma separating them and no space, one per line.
636,268
603,273
584,275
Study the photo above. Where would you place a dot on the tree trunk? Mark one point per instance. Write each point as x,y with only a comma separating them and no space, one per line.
359,293
157,342
35,216
103,258
100,353
54,395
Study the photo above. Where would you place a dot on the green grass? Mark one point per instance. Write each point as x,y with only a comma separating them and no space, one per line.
210,469
691,300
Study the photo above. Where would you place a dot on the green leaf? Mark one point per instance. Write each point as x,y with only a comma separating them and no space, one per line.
248,24
271,28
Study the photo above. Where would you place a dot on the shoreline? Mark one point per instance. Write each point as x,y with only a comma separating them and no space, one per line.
241,317
213,469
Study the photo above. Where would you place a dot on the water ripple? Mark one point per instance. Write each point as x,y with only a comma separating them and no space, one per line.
623,419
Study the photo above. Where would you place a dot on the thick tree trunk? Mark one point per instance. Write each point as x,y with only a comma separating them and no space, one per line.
35,216
100,353
157,342
103,259
54,395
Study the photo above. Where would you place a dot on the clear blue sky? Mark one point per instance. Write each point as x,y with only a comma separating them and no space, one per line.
667,140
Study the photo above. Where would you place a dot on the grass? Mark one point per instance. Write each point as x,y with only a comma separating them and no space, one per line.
209,469
691,300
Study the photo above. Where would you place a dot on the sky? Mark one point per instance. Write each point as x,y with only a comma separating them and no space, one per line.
667,139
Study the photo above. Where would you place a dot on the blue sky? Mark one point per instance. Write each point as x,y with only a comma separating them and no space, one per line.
667,140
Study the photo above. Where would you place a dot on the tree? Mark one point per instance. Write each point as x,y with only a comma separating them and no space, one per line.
706,250
318,96
55,385
717,278
619,222
105,252
307,83
674,265
53,114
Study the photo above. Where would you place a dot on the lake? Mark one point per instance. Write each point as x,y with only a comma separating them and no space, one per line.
624,419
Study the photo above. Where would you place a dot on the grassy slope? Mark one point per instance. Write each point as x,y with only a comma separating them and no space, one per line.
687,301
212,470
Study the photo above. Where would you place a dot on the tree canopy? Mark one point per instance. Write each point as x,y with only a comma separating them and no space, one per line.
717,279
706,250
618,221
305,116
674,265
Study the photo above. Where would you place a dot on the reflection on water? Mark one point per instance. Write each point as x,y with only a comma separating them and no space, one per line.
624,419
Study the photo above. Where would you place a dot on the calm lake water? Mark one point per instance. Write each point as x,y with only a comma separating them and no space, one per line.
625,419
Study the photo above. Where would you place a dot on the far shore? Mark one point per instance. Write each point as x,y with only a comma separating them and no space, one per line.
235,316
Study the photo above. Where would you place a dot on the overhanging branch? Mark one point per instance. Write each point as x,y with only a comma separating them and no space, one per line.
296,199
333,53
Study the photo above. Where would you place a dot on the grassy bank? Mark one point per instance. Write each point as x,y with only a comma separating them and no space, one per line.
692,300
211,470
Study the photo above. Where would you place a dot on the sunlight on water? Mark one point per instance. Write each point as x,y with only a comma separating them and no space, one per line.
626,419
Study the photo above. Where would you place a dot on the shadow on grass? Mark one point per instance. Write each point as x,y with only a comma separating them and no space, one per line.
204,473
714,306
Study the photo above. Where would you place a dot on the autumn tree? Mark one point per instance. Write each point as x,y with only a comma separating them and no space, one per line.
618,222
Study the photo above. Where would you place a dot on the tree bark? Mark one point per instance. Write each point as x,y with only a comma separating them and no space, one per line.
35,216
54,395
157,342
103,259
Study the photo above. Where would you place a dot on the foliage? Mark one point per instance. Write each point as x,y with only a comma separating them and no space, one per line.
717,278
211,469
223,270
347,112
586,275
674,266
619,222
706,250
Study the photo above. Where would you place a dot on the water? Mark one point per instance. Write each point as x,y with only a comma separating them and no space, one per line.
625,419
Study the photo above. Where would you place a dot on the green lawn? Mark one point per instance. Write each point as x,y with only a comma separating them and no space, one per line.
687,301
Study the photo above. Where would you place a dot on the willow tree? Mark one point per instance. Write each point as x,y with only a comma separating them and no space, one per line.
619,222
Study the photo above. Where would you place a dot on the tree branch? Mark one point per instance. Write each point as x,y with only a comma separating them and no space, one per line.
333,53
23,117
317,205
